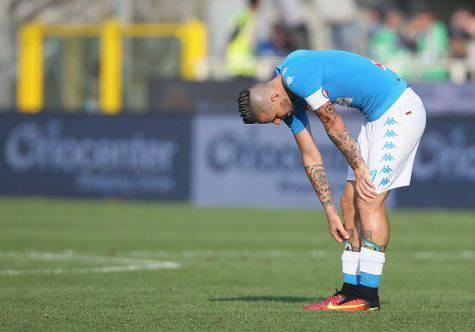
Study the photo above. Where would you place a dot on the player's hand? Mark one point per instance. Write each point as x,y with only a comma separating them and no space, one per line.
336,228
364,186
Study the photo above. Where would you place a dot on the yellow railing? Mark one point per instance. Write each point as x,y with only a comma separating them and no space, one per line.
30,94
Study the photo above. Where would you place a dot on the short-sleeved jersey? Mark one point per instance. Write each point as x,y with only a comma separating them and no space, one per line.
344,78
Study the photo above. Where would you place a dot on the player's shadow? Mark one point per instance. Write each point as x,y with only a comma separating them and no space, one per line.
268,298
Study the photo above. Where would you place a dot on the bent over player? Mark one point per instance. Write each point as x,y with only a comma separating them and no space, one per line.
381,160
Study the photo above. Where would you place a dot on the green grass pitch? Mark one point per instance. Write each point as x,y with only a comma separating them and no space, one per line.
89,265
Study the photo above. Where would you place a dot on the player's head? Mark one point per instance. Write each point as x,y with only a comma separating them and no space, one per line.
265,103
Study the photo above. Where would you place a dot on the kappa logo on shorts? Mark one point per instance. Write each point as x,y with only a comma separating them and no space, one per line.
390,122
386,170
387,157
389,146
384,182
389,134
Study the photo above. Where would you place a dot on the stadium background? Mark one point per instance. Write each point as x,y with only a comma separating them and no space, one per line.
109,101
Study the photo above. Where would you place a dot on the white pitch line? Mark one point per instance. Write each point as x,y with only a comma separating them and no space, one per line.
290,254
227,254
132,264
70,255
105,269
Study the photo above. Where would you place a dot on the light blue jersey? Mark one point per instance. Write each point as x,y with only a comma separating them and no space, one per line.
344,78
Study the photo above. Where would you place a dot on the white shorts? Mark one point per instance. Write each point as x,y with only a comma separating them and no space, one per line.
389,144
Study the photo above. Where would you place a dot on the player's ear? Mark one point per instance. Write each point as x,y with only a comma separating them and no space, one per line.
275,96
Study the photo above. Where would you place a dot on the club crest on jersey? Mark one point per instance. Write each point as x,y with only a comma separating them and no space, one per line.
289,80
325,93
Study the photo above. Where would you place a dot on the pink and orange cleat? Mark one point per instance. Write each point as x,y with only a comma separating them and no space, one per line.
341,302
334,299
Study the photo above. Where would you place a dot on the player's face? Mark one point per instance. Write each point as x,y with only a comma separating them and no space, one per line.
282,107
281,114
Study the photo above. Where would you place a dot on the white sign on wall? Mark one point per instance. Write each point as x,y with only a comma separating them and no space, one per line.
258,165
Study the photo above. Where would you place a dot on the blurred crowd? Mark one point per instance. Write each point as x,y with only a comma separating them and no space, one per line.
416,43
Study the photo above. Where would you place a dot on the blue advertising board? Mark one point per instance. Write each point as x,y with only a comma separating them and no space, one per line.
444,169
95,156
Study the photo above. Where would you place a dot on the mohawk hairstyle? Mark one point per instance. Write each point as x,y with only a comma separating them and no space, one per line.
244,102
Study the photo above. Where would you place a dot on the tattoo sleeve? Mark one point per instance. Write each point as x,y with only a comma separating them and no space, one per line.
340,135
318,177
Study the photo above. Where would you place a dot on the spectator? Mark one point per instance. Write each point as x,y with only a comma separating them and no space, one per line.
279,43
340,15
388,46
292,17
369,23
432,46
460,32
242,47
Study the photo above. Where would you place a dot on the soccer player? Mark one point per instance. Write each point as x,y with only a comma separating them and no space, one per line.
381,159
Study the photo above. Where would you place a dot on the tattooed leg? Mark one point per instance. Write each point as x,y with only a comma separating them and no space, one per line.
351,216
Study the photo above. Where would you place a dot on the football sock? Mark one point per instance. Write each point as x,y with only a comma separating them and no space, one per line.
349,264
371,261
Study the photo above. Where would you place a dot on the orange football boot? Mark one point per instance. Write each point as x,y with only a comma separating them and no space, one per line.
352,303
335,298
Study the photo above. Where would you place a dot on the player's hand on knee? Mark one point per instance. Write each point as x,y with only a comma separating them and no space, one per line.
337,230
364,186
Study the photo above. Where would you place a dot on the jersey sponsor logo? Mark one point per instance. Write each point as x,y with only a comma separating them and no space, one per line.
389,146
284,70
289,80
387,157
345,101
390,134
390,121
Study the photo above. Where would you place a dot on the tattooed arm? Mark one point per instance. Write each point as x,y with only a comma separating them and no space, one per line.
318,177
313,163
341,137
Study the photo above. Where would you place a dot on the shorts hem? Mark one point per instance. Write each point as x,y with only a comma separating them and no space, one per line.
396,186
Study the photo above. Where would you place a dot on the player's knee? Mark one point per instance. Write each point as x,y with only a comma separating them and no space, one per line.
371,204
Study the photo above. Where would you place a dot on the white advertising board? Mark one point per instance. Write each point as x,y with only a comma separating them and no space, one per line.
258,165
